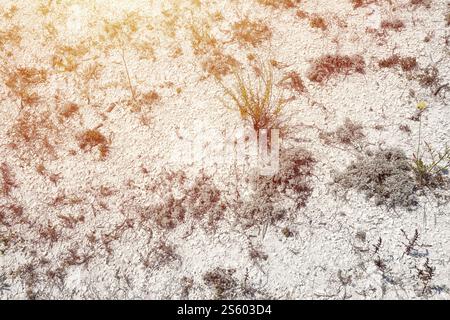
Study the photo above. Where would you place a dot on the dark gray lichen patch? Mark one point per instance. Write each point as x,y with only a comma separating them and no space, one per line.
182,200
293,182
349,133
223,282
385,176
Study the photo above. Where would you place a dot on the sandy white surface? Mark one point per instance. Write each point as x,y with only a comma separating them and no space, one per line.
326,257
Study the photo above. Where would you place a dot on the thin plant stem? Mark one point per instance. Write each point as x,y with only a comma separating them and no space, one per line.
128,75
420,136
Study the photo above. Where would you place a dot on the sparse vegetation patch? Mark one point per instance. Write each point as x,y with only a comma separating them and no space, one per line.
280,4
134,160
329,66
386,176
91,139
350,133
292,183
251,33
406,63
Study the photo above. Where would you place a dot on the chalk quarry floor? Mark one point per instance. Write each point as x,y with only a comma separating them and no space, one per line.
126,216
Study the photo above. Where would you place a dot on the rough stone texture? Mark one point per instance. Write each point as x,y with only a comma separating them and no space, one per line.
76,223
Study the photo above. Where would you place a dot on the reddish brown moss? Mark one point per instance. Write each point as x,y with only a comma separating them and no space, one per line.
8,182
328,66
69,109
406,63
91,139
318,22
395,25
280,4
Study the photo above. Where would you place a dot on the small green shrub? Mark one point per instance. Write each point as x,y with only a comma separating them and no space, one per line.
429,172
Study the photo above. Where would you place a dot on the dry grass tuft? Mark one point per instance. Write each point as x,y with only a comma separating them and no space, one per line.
256,100
21,80
219,64
11,12
10,37
253,33
75,258
67,58
203,41
389,62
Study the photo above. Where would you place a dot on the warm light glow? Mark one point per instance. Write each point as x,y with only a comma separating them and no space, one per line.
77,22
224,149
83,17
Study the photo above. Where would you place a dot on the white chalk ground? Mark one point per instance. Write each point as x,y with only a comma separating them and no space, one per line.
324,259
